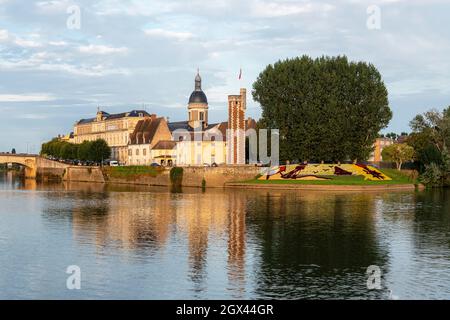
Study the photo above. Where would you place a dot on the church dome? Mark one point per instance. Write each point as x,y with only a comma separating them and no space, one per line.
198,96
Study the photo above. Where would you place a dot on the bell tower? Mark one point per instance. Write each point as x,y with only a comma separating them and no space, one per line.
198,105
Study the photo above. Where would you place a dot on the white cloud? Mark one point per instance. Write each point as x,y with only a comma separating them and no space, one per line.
133,7
32,97
53,6
180,36
27,43
31,116
100,49
58,43
266,9
4,35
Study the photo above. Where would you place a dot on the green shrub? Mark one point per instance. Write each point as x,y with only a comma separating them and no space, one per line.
203,183
176,176
433,175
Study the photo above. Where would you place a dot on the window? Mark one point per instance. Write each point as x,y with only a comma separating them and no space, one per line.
130,152
137,152
144,152
202,116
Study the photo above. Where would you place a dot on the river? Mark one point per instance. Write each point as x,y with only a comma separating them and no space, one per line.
148,243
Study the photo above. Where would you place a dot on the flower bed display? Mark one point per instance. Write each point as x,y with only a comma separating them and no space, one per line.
299,171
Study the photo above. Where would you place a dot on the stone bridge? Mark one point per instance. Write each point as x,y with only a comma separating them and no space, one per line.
34,164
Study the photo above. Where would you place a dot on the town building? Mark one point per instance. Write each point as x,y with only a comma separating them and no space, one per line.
140,138
378,146
147,133
115,129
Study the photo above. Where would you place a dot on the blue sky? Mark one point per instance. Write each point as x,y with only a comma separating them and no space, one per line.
135,53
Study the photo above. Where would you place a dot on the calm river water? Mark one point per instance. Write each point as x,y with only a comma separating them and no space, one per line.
148,243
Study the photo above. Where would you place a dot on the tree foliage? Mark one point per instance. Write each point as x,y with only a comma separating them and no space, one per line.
326,109
96,151
431,140
398,153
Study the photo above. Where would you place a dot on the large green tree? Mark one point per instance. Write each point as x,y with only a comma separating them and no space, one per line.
99,150
326,108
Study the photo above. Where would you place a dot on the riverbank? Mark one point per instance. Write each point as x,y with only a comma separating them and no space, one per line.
400,180
325,187
200,177
230,177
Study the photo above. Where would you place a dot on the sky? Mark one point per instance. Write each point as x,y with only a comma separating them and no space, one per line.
60,60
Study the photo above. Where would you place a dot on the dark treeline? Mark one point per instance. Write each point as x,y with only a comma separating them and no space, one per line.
96,151
430,139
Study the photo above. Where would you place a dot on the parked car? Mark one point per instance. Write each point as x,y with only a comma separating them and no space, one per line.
154,164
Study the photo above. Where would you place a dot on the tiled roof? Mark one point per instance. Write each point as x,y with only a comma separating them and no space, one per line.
165,145
145,130
107,116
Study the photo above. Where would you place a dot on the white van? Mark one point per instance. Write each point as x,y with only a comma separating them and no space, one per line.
113,163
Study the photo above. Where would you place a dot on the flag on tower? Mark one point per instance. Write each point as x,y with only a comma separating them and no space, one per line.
240,74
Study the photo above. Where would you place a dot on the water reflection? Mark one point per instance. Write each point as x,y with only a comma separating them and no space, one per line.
237,244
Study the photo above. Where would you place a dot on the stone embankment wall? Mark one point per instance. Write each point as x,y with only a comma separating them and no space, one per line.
192,176
84,174
217,177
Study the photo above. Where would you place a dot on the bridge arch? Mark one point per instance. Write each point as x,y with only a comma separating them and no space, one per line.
29,162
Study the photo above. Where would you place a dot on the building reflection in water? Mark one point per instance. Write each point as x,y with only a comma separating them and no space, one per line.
236,243
147,221
295,238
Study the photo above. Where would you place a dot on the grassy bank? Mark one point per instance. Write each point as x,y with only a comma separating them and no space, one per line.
396,176
131,172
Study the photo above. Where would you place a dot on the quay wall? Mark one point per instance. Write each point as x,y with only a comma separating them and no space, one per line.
84,174
192,176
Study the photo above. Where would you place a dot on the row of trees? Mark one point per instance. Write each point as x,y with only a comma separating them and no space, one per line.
95,151
430,139
326,109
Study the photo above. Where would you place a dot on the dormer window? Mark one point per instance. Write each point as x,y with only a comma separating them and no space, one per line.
141,114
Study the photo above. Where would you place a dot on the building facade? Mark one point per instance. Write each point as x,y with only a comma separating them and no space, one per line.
115,129
378,146
147,134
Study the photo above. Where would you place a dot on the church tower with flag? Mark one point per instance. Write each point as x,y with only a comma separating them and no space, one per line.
237,105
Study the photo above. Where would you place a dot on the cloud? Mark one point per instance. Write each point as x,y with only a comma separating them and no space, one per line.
58,43
4,35
31,116
285,8
53,6
27,43
101,49
32,97
133,7
180,36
